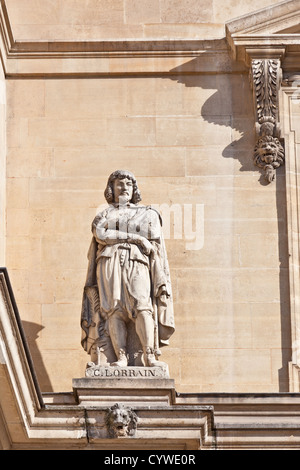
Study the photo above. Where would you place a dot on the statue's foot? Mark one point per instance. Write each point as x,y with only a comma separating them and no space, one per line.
90,364
150,359
120,363
122,360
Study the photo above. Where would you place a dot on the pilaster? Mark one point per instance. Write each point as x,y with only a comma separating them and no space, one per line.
291,133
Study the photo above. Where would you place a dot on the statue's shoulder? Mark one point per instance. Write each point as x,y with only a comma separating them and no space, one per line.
100,215
155,211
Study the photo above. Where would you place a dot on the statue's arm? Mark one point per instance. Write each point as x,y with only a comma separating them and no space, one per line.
108,236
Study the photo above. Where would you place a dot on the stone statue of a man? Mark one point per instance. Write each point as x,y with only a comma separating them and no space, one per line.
127,311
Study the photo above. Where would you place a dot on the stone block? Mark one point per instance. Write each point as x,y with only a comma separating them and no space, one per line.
99,12
252,248
61,193
191,131
60,132
131,131
19,281
41,285
25,98
230,9
210,161
179,31
61,317
17,222
192,11
22,253
226,367
95,99
270,328
108,391
146,161
142,11
30,162
215,326
141,96
68,284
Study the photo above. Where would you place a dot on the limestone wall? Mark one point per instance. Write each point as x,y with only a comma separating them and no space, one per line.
189,140
119,19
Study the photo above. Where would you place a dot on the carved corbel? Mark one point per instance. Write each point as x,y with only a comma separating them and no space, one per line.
266,78
121,421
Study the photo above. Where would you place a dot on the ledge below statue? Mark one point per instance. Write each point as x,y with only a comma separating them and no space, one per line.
103,391
131,372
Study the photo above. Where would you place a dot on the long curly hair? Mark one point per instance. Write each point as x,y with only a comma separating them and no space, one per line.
121,174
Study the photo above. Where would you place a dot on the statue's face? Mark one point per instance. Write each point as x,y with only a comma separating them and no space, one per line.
123,190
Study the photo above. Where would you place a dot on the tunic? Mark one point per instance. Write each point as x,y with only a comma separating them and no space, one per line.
126,278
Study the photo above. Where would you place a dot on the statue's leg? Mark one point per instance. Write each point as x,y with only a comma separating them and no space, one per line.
118,334
144,325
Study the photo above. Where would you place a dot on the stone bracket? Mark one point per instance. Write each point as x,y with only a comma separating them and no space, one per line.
266,77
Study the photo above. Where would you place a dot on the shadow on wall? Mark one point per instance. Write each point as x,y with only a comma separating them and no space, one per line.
234,100
32,331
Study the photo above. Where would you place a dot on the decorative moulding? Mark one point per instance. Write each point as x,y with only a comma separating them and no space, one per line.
266,30
108,57
268,44
290,96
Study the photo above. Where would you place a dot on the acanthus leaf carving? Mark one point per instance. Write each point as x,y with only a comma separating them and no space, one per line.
269,151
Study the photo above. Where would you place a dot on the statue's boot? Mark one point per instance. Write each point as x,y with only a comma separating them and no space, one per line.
122,359
150,359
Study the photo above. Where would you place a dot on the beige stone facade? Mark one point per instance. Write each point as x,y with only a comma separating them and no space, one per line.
161,88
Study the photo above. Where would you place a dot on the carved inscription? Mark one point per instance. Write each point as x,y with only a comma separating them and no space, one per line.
127,372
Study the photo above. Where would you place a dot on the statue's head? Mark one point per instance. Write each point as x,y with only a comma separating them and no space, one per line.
122,185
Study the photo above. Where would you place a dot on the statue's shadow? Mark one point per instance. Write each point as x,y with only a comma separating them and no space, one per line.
32,331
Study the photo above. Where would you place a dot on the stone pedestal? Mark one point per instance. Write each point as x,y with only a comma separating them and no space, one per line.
127,406
128,372
105,385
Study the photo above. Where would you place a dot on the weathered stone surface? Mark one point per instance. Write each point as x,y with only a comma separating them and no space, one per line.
177,111
130,372
146,390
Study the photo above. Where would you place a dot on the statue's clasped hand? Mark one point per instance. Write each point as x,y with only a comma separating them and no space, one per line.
147,246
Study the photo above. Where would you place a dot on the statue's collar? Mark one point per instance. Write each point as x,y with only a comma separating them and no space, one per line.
123,206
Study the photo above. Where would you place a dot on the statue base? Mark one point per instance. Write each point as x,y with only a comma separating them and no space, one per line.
105,385
132,372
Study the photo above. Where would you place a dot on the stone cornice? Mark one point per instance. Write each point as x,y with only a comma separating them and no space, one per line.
267,31
194,421
249,32
262,31
263,42
109,57
269,20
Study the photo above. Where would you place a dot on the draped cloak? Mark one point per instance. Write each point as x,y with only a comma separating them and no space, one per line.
145,221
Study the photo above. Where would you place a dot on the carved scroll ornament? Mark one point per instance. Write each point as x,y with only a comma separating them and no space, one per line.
268,152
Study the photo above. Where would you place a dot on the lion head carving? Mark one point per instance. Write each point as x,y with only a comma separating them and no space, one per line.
120,421
269,155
